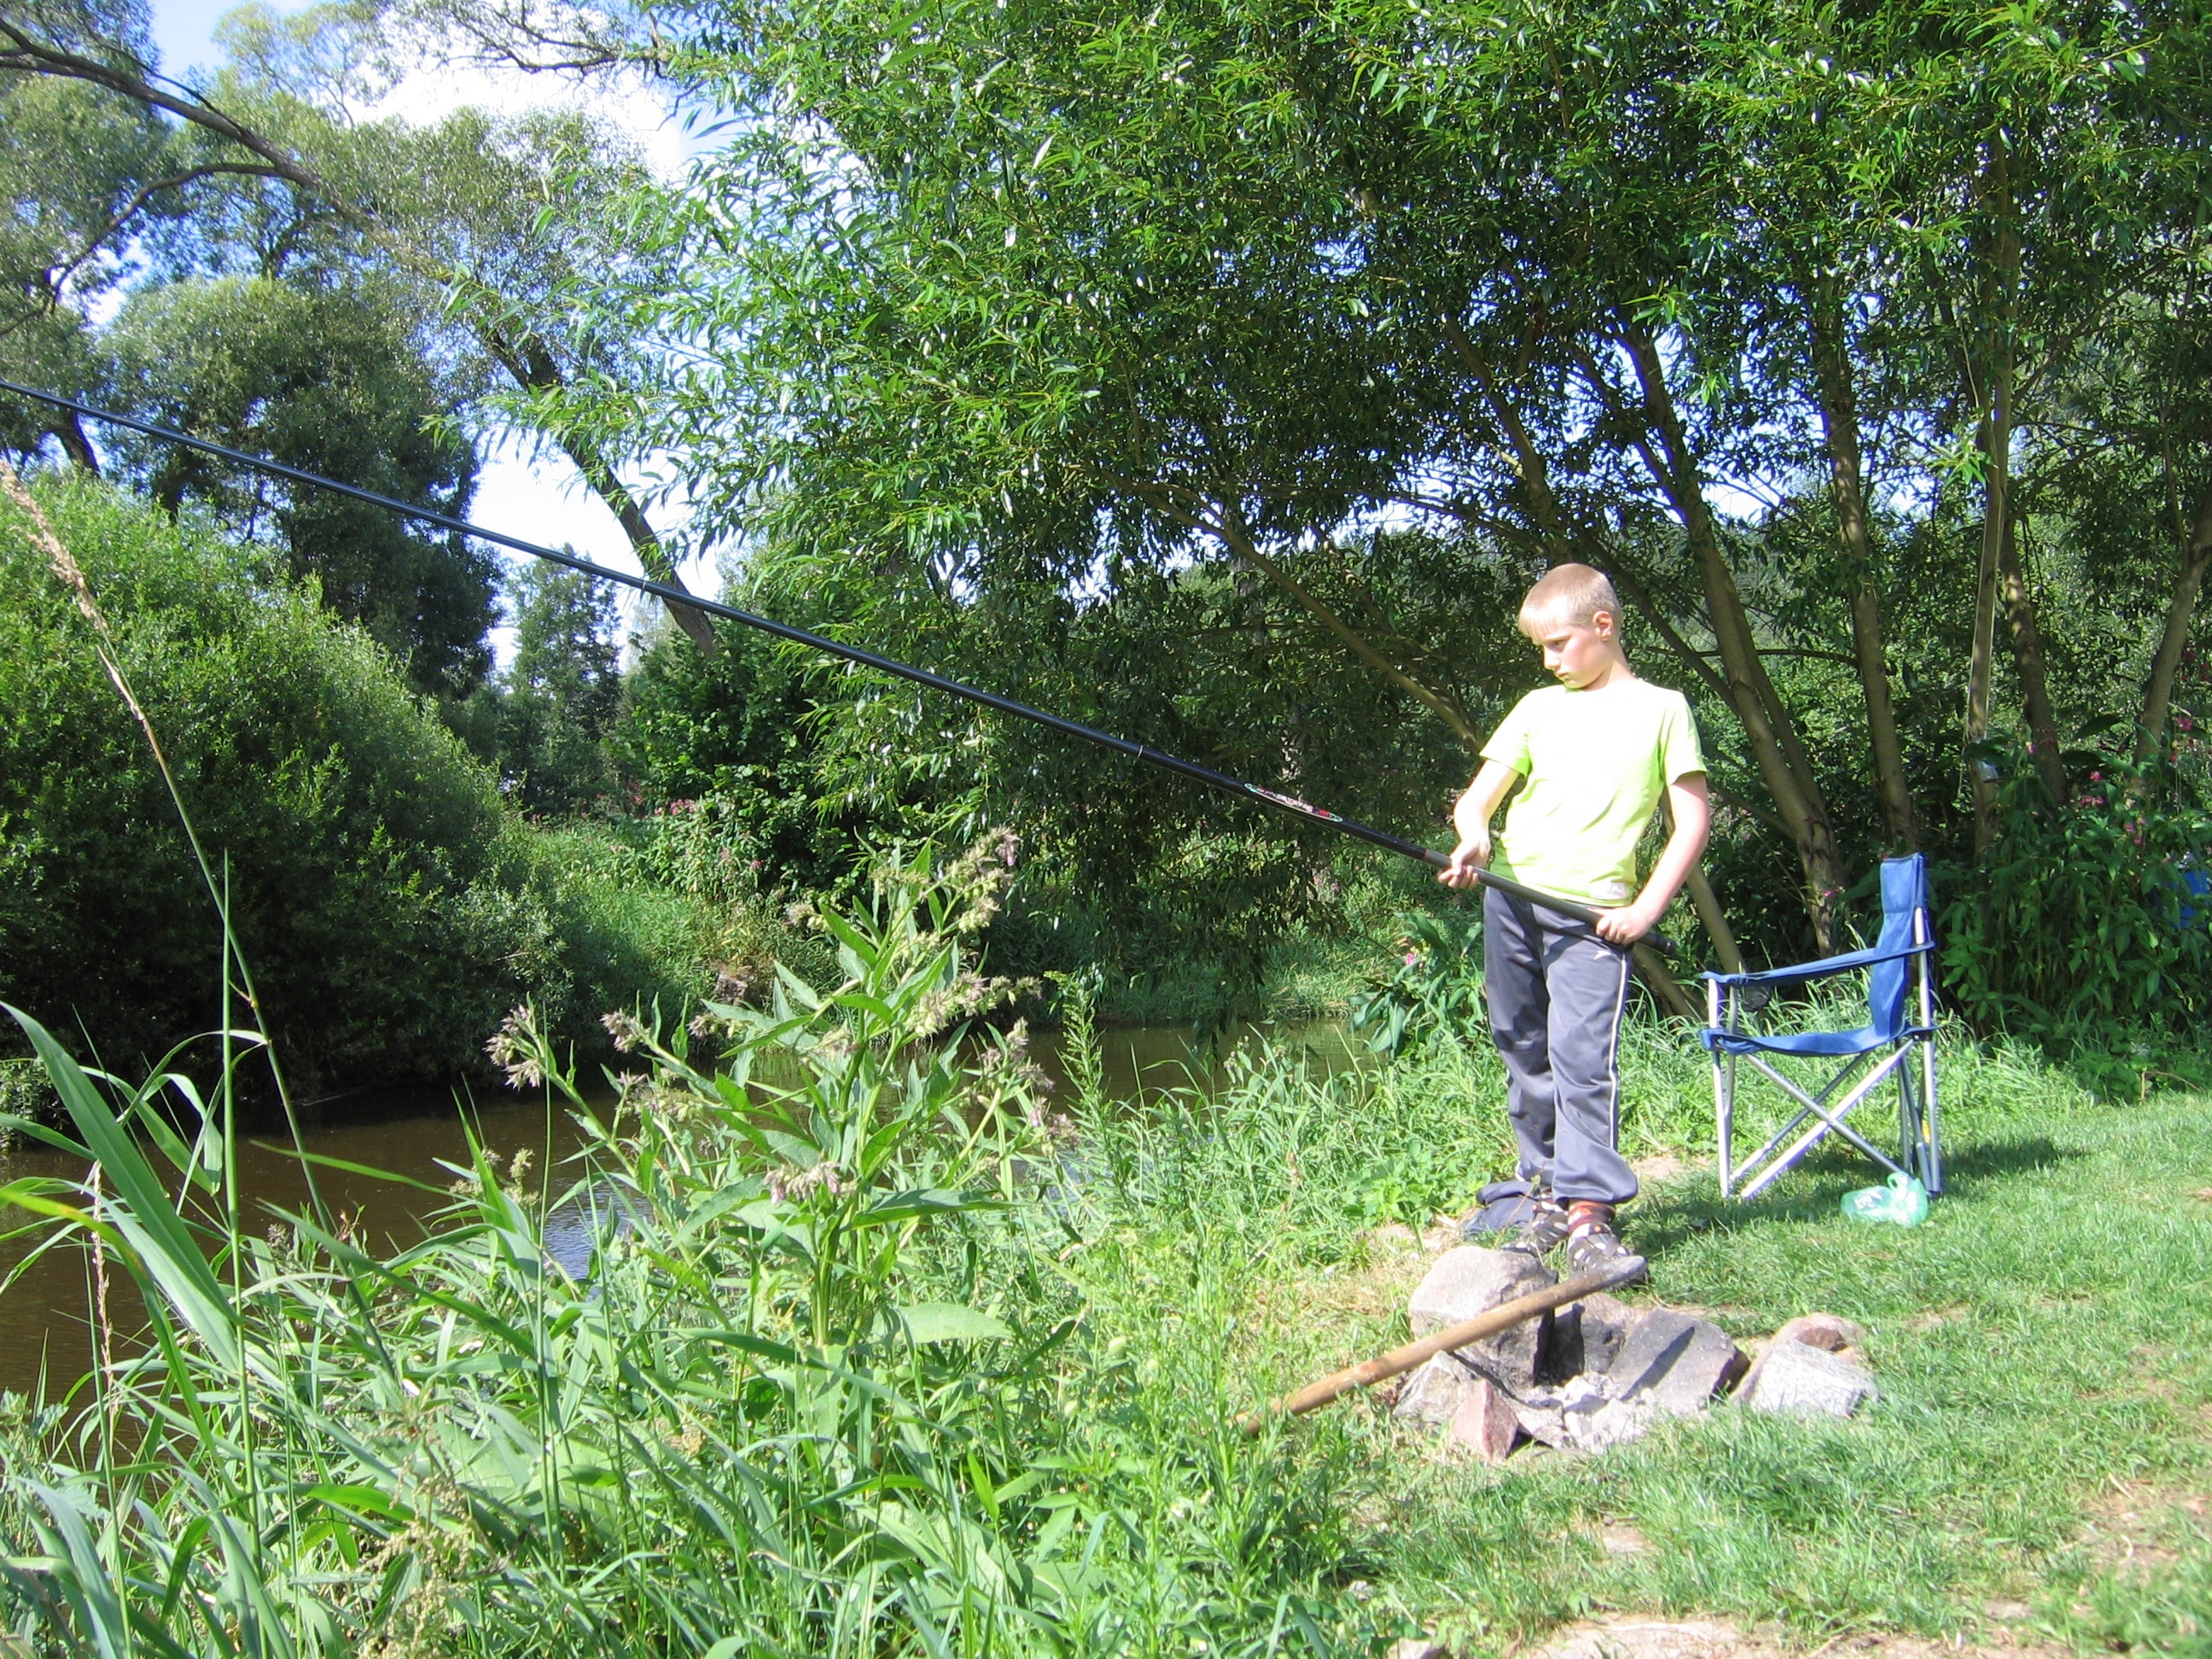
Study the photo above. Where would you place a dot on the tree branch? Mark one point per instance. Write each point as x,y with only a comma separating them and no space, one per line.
1163,496
58,274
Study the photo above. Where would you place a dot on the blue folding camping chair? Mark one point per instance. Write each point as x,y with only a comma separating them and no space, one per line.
1899,1031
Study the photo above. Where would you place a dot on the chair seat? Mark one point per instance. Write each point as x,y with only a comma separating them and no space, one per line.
1832,1044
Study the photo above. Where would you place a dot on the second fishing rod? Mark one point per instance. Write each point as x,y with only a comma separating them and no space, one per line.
821,643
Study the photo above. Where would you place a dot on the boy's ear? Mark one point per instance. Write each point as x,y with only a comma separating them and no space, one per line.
1605,623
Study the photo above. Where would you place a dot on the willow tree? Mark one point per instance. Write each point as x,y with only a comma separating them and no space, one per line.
488,218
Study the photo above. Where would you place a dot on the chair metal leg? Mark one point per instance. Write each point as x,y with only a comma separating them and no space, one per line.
1828,1121
1933,1127
1810,1105
1723,1084
1910,1149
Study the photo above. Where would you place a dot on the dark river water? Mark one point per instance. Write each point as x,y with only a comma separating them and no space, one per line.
46,1327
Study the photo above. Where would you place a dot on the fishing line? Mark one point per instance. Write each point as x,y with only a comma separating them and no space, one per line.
852,654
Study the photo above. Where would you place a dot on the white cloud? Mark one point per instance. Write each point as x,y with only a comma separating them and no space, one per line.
633,105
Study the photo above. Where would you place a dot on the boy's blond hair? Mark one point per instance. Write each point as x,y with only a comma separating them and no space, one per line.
1571,592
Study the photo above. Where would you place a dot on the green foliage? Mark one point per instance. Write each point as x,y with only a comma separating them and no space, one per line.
735,727
393,906
70,160
325,377
2087,921
1039,330
1436,987
818,1387
557,699
847,1354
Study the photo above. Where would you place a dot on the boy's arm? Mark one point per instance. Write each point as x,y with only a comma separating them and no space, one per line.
1472,816
1691,805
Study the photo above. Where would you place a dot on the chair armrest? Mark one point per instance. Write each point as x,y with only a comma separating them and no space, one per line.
1823,968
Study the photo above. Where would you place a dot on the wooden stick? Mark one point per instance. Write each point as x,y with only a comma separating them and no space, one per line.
1503,1317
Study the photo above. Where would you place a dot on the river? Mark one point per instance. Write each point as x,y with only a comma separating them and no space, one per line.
46,1332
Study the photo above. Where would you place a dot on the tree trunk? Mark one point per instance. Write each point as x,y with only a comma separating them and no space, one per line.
2165,667
1839,420
1995,439
1715,922
2028,654
78,448
1776,746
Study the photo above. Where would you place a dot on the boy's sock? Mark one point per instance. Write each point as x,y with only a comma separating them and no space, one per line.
1591,1241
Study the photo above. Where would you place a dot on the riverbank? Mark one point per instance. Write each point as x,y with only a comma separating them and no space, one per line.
933,1358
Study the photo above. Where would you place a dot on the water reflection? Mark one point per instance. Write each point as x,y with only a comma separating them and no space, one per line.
46,1324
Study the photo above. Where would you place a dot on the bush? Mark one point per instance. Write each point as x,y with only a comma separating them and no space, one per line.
2086,918
390,905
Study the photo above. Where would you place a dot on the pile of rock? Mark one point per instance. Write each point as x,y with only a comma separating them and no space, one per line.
1599,1372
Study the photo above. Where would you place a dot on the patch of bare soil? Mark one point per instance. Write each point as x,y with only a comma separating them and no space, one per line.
2131,1528
1627,1636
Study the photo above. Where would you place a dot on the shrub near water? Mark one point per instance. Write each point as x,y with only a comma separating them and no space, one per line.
391,906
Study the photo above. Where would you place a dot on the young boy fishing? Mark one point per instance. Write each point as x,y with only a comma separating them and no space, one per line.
1586,761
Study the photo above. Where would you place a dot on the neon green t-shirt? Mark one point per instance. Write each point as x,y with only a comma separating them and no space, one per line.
1594,765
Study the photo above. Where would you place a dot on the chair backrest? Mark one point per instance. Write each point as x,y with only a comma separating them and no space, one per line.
1904,897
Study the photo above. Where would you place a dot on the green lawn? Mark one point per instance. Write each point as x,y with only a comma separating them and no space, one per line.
2040,1459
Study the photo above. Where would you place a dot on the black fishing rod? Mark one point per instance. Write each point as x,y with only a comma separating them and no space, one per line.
674,595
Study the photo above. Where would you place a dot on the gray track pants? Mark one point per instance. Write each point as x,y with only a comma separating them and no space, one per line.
1556,993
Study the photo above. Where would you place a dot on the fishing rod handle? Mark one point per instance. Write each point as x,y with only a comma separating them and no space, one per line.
1582,913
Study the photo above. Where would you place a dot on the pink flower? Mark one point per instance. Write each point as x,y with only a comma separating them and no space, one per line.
1413,958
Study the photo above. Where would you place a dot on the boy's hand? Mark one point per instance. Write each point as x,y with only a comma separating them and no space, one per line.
1628,924
1466,857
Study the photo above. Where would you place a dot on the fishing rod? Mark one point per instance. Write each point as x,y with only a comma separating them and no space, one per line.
852,654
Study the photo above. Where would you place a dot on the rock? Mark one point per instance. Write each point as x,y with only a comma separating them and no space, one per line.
1470,1280
1581,1416
1584,1336
1822,1330
1808,1382
1672,1364
1614,1423
1417,1647
1485,1423
1431,1393
1606,1322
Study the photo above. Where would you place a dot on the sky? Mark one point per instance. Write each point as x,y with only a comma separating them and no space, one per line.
538,498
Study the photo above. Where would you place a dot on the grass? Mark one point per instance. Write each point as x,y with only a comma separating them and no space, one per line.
885,1359
2042,1344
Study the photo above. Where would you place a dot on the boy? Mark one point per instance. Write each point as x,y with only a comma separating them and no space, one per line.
1591,757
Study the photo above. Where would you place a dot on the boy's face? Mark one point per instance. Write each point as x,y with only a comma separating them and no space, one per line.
1575,652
